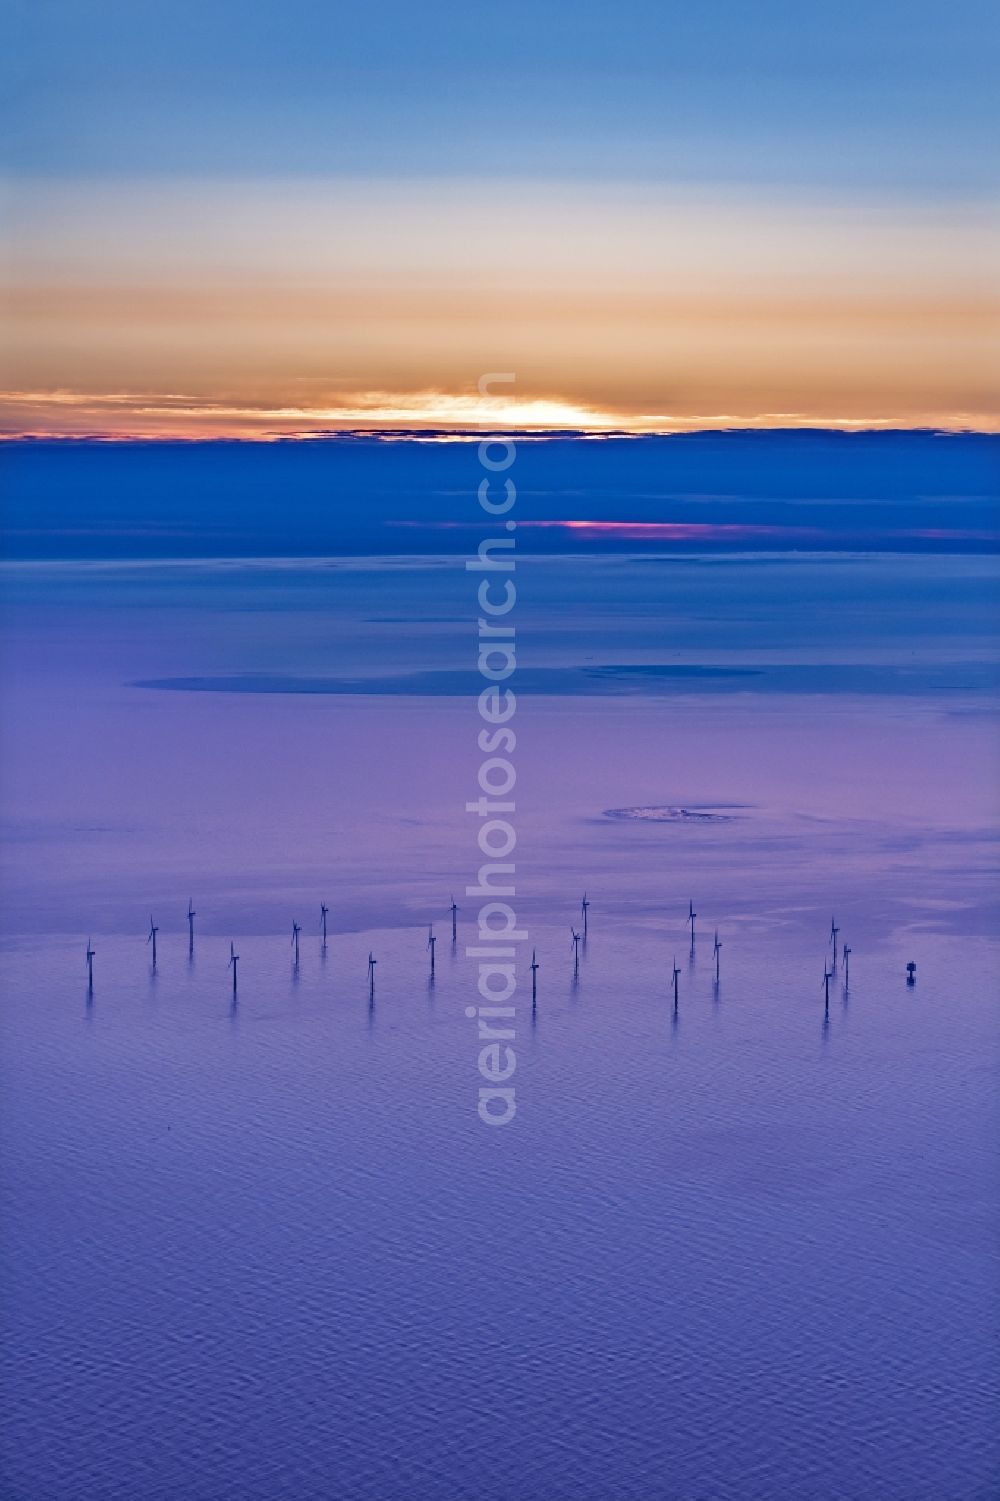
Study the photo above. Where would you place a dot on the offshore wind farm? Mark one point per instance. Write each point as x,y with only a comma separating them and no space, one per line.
289,1153
578,939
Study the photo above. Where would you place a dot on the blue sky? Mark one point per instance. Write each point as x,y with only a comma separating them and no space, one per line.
880,93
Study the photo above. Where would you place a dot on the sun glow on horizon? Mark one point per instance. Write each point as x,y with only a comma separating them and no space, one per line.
260,310
128,415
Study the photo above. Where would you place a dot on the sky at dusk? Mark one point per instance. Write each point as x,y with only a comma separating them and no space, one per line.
246,221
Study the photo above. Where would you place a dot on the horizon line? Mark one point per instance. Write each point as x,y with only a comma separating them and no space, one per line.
877,426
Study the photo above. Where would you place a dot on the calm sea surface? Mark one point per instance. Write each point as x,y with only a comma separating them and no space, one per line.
267,1252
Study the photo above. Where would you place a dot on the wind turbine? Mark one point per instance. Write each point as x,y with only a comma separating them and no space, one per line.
576,950
692,914
296,930
431,944
834,930
847,964
827,977
234,959
324,912
534,978
372,961
91,951
676,978
717,951
453,909
153,930
583,908
192,914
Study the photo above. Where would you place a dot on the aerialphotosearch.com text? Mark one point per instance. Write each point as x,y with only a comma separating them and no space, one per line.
498,935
